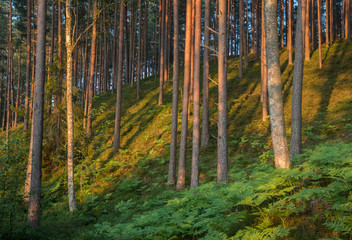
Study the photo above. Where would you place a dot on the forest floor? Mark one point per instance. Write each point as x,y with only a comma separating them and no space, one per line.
123,195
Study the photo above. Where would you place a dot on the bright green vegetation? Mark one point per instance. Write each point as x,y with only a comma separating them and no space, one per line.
130,201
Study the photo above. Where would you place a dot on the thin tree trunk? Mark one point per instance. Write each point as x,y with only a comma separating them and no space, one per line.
241,18
348,20
222,168
196,94
276,106
9,77
306,32
327,39
264,77
312,25
18,85
28,65
252,27
116,145
296,127
162,48
59,79
139,60
38,112
331,9
289,32
205,105
282,42
181,177
70,122
91,71
319,32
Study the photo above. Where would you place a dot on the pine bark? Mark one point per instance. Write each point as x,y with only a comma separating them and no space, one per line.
38,113
276,106
296,126
306,32
181,177
28,65
173,145
18,85
116,144
319,33
91,71
70,118
205,105
162,54
241,18
289,32
327,39
222,168
196,94
264,77
139,60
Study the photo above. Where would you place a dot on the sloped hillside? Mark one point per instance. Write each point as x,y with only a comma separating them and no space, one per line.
123,196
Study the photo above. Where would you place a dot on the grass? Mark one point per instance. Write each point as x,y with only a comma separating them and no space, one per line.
139,171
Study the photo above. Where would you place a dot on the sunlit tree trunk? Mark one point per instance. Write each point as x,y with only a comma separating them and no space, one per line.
18,85
38,112
222,168
276,106
116,144
319,32
173,145
28,65
264,77
289,32
306,31
327,39
139,60
91,71
196,94
181,177
241,19
69,100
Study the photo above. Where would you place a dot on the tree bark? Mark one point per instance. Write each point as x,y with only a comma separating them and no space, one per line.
241,18
264,77
173,145
319,33
91,71
18,85
306,32
38,112
205,105
276,106
196,94
327,39
289,32
139,60
296,127
59,78
28,65
162,54
70,121
222,168
116,145
181,177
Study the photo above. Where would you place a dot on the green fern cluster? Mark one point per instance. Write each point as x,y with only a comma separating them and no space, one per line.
263,203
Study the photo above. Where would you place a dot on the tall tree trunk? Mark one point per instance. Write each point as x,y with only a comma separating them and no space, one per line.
312,25
289,32
306,32
264,77
252,26
91,71
162,54
38,112
331,9
9,77
28,65
282,42
348,20
205,105
139,60
276,106
18,85
70,122
59,79
296,127
173,145
145,37
327,39
241,18
116,145
181,177
196,94
319,32
222,168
